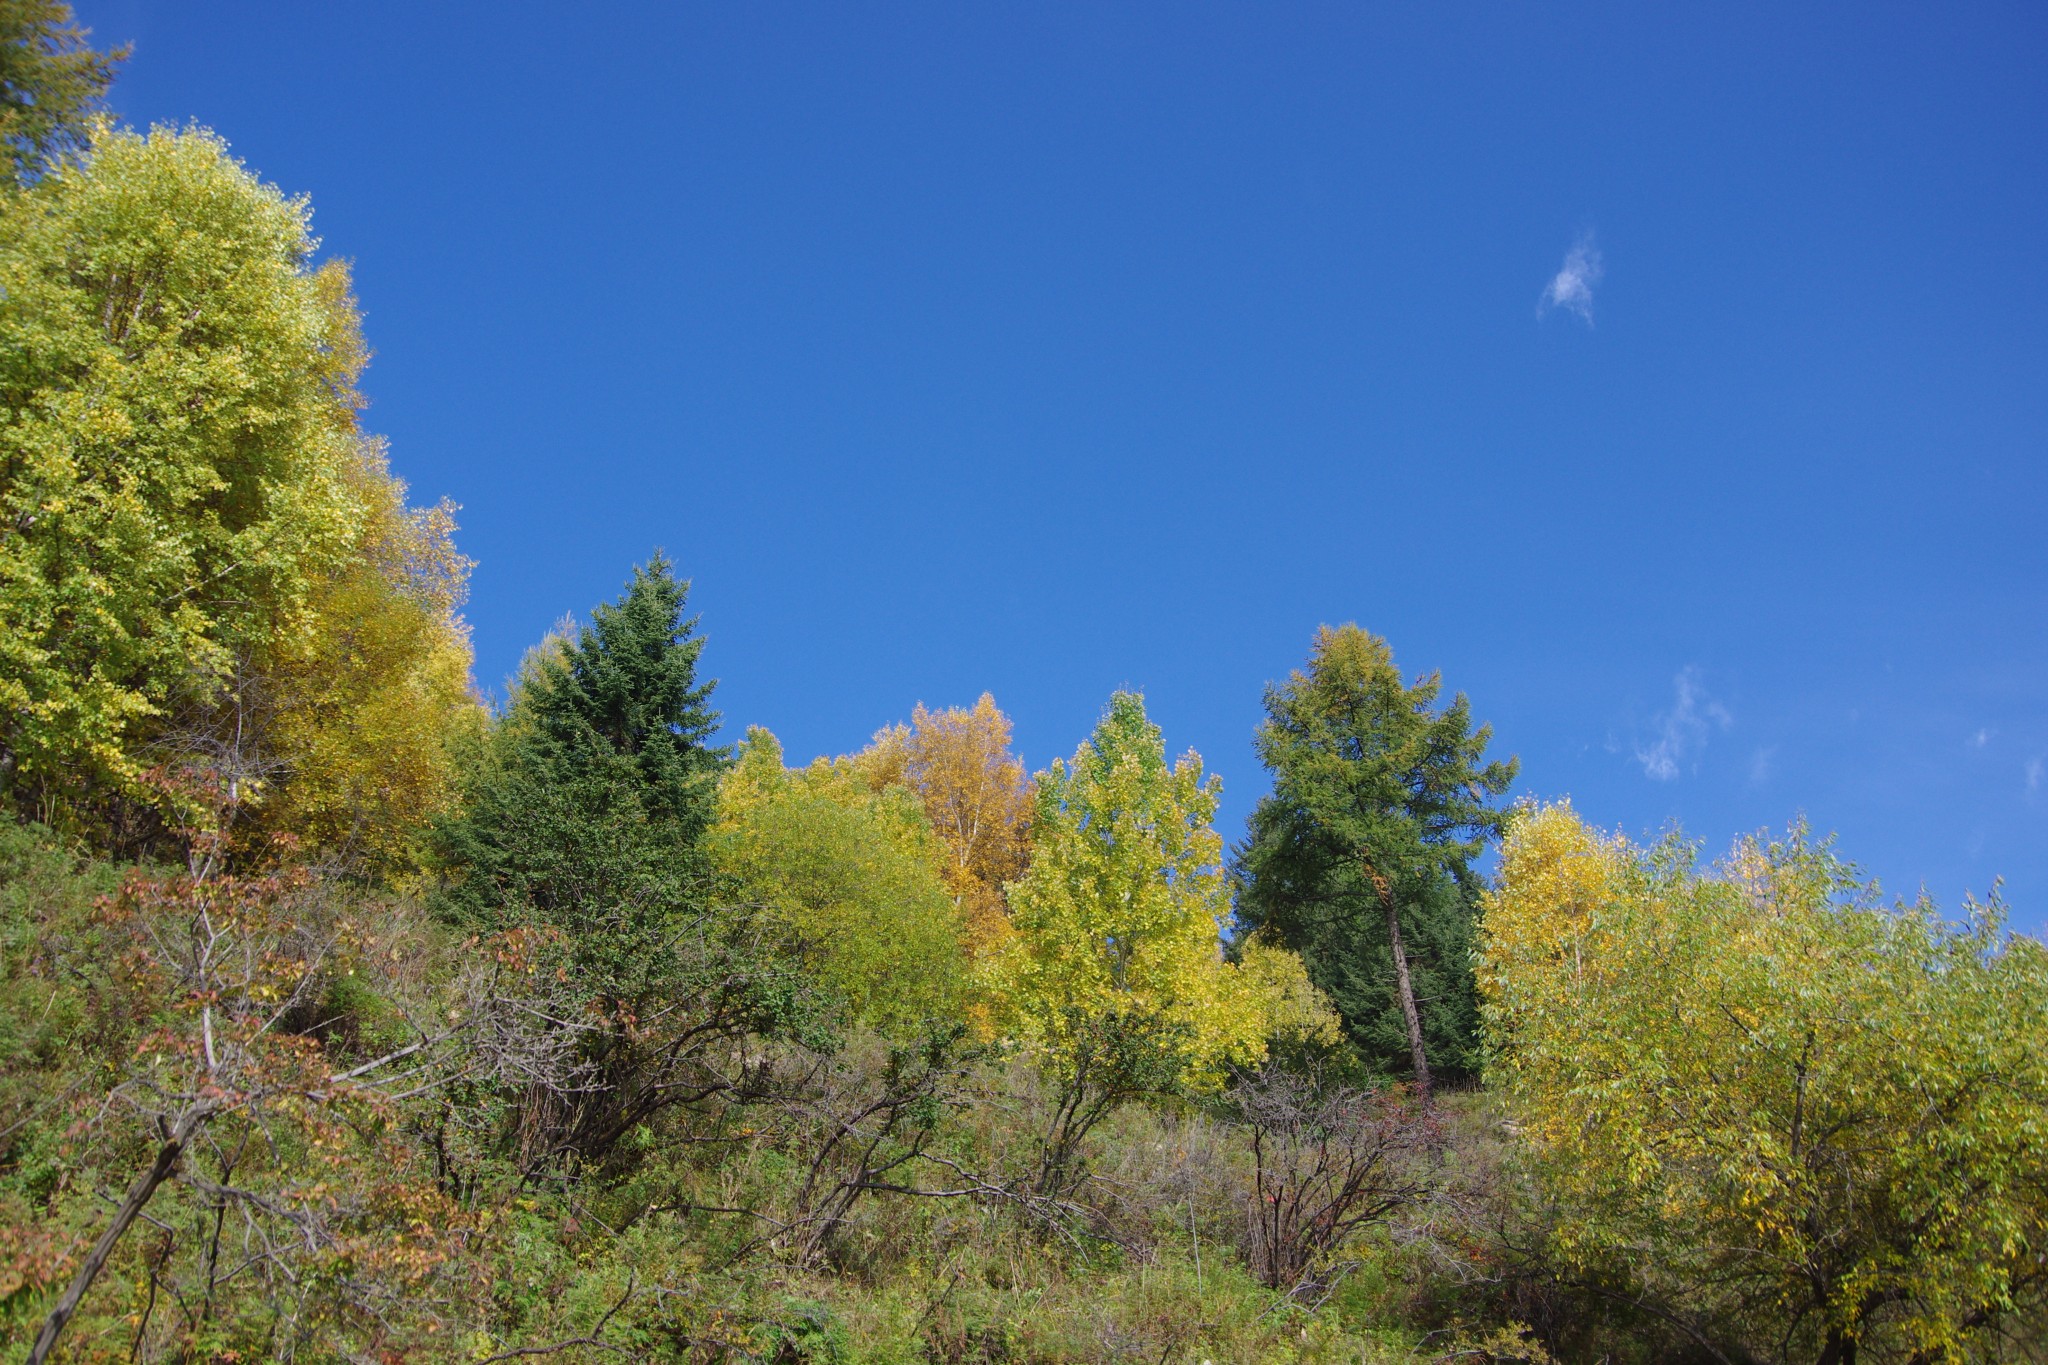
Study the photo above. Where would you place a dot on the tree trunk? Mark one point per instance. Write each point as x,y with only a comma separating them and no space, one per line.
1404,989
96,1259
1839,1350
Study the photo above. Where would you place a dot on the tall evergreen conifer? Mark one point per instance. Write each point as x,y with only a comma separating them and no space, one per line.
586,806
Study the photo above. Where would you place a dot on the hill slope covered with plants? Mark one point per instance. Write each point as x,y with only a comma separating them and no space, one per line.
343,1017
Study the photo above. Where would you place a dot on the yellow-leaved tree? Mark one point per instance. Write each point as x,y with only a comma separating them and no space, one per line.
208,568
1114,978
365,701
853,874
976,797
1788,1118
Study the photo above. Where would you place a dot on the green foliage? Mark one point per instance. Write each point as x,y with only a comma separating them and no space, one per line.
179,417
192,508
585,806
47,1021
1114,977
856,877
1379,803
1796,1119
51,79
887,1060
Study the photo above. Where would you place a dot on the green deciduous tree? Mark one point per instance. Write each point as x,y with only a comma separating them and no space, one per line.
1797,1122
1360,859
854,873
189,502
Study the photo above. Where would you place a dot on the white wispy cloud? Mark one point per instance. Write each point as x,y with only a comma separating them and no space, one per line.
1572,287
2035,772
1762,764
1682,732
1981,738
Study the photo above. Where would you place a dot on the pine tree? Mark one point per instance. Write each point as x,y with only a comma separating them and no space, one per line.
1360,859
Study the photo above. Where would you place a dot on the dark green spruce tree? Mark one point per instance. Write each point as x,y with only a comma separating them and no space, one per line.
583,816
1361,858
585,809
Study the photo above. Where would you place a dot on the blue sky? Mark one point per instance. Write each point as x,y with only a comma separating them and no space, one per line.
1675,381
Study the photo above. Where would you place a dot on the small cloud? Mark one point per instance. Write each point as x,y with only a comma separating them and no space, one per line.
1572,287
2035,773
1761,765
1981,738
1683,731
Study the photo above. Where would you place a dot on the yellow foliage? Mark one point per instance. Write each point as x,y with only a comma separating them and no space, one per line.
1118,920
853,872
147,457
1757,1085
210,567
1291,1008
975,795
369,696
1541,919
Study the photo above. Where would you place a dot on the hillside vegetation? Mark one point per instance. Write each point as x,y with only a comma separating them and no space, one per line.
346,1018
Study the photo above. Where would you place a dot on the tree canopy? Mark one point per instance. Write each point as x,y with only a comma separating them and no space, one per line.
854,873
51,80
975,795
1798,1119
1117,919
195,515
1361,857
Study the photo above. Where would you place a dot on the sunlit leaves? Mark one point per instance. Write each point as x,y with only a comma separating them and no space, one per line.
1760,1095
975,795
853,873
1117,919
194,522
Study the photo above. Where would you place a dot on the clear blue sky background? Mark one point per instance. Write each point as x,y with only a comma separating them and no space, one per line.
1051,348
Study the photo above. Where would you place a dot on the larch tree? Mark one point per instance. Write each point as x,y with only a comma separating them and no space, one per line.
1361,857
976,796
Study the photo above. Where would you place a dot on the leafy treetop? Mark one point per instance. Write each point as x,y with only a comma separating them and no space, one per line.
51,79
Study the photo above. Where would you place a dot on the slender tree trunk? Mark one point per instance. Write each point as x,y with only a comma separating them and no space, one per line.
1404,988
96,1259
